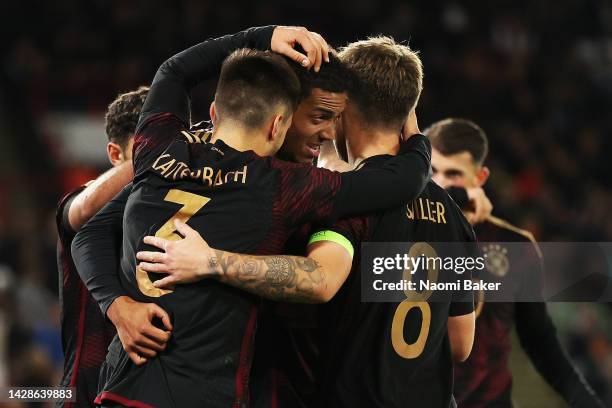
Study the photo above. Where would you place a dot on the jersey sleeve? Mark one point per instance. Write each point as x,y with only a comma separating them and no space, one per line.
96,250
530,268
306,193
166,110
459,195
538,337
462,302
174,79
64,229
310,194
398,181
153,138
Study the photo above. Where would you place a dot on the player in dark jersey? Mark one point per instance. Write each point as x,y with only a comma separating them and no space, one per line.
323,95
322,100
459,150
248,202
86,334
364,362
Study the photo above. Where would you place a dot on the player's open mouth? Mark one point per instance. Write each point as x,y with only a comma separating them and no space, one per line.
313,149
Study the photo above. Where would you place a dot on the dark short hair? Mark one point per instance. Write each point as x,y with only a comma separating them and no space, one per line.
333,76
253,84
389,79
452,136
122,116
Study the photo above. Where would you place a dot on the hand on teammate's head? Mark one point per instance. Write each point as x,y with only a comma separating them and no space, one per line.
284,40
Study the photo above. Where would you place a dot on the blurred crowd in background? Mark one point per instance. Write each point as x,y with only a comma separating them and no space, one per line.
536,75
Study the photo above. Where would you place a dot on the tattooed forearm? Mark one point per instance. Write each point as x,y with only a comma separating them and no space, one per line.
307,264
249,270
280,272
213,263
289,278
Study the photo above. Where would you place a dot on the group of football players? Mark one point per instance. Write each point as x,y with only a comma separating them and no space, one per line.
191,268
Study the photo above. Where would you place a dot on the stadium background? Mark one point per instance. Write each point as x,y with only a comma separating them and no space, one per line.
537,75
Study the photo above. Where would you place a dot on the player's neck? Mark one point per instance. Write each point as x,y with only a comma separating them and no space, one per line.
239,139
371,142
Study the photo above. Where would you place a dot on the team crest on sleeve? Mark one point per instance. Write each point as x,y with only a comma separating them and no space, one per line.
496,259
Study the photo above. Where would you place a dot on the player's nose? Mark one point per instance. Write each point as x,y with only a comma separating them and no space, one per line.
328,133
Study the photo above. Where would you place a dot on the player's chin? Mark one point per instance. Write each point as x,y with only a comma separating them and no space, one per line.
305,158
309,154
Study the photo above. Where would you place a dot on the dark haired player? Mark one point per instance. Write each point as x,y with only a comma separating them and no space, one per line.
86,334
322,100
246,201
460,148
366,360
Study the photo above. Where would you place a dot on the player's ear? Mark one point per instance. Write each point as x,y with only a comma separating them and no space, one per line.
278,130
340,141
213,113
482,175
115,153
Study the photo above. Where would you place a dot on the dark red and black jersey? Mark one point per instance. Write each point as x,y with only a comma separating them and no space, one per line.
484,379
363,362
240,202
86,333
286,347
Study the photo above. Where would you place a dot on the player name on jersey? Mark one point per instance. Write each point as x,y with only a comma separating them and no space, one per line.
426,210
171,168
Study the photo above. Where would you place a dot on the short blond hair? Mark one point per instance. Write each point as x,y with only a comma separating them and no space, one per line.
389,79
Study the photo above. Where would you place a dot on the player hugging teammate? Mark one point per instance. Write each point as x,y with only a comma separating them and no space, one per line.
202,325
